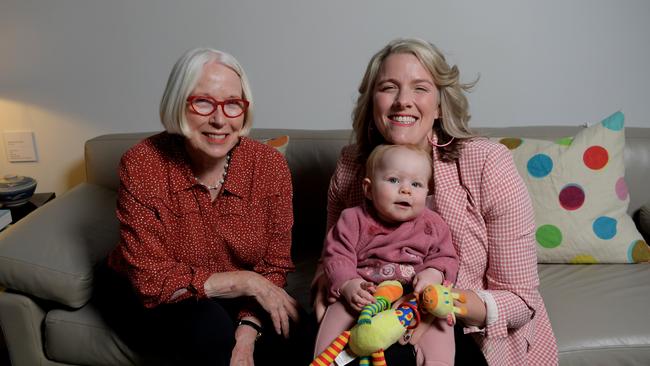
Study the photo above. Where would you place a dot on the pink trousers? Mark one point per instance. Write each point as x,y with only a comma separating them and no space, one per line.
434,347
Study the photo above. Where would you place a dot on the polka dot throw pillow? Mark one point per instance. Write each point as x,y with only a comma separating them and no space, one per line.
579,194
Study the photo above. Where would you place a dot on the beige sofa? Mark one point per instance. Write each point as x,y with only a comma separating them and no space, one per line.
48,317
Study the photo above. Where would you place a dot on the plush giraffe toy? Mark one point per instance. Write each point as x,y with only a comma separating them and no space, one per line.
378,326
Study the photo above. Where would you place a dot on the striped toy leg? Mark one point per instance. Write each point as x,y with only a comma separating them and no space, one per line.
378,358
327,357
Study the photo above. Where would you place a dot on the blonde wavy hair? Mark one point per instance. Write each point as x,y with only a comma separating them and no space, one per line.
454,118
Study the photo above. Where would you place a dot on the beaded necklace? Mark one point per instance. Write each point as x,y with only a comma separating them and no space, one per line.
217,186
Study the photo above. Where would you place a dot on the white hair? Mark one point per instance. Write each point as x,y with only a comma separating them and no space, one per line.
183,79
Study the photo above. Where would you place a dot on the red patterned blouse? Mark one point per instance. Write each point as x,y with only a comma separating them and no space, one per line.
173,236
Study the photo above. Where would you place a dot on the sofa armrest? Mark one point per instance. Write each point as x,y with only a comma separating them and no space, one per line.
21,320
51,253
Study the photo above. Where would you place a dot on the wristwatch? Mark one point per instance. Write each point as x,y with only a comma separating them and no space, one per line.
251,324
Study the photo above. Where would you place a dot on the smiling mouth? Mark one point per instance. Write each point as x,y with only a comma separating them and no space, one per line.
402,120
215,137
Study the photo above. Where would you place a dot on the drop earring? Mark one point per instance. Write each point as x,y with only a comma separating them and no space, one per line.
433,143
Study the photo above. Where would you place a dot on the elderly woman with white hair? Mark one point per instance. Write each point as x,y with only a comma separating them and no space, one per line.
205,223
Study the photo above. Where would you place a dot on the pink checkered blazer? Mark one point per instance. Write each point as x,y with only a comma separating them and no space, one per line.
486,205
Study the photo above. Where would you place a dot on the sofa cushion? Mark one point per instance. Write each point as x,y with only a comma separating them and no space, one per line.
577,297
54,259
580,196
66,331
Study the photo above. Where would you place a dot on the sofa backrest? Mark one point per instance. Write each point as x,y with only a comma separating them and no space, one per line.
102,156
312,156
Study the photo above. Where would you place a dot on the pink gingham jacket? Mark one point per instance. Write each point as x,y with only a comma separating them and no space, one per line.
486,205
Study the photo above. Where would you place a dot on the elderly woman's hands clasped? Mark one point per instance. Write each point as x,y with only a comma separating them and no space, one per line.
280,306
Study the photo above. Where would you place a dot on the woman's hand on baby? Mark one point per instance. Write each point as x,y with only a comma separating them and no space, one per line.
476,310
426,277
358,293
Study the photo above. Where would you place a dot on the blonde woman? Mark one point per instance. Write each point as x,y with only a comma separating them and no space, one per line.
410,95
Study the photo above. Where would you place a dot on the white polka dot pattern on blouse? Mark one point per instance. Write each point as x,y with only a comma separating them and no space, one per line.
173,236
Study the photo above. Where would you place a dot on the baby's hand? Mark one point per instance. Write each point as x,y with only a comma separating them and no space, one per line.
429,276
358,293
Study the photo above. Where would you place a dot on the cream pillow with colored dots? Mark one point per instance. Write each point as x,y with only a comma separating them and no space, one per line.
578,190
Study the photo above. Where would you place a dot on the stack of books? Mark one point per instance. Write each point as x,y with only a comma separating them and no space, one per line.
5,218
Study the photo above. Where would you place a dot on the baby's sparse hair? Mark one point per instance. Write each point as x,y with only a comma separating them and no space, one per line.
379,151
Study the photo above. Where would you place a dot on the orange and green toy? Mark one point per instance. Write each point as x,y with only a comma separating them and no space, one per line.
377,328
439,301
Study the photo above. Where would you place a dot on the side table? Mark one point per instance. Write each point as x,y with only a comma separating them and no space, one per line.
37,200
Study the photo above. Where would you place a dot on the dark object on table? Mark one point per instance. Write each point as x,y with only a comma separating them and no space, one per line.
15,190
34,202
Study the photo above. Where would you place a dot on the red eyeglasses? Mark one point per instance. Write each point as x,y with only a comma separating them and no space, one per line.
205,105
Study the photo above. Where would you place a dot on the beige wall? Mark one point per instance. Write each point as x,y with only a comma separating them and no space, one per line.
72,69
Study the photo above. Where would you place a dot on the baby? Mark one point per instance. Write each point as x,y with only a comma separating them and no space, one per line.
392,237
